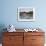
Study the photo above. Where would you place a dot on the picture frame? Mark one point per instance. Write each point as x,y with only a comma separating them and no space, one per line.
26,14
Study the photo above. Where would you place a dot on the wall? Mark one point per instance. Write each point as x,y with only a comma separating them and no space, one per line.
9,13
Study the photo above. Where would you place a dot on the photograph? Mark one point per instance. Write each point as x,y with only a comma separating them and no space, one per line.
26,14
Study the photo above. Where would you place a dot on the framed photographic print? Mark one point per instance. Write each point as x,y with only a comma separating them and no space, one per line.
26,14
